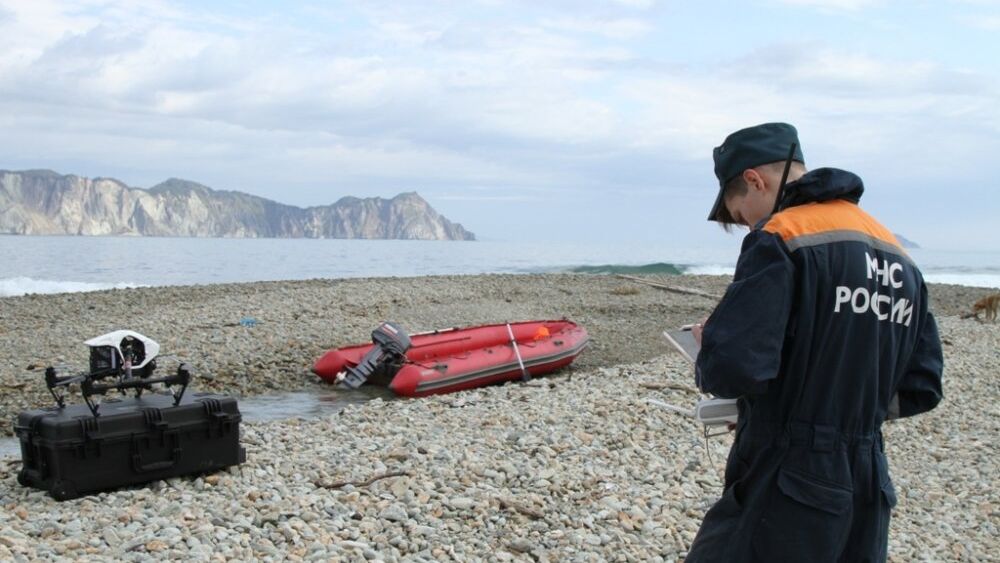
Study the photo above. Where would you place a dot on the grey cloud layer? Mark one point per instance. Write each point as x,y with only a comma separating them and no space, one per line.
436,97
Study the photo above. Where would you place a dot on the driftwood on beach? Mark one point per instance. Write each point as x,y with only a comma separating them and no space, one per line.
364,483
672,288
673,386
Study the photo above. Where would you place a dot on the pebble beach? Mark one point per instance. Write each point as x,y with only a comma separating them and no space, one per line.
576,466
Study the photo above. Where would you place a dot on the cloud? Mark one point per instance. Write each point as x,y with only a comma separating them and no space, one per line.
563,100
616,28
987,23
835,5
466,86
642,4
486,197
852,110
251,80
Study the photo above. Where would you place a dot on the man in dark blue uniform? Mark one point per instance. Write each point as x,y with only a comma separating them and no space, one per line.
823,334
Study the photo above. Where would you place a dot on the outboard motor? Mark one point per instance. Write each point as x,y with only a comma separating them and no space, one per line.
388,355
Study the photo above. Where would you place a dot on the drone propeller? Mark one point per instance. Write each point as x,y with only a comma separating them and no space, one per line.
125,358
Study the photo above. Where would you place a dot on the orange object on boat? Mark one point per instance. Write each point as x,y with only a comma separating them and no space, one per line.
454,359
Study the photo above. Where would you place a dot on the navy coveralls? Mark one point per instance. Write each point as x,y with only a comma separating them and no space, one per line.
824,334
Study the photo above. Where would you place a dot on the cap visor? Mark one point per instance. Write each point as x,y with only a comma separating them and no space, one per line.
713,215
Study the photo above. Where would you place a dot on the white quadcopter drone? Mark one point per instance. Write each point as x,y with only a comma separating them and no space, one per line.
125,357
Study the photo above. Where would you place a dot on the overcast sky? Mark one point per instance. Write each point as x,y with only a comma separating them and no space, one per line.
542,120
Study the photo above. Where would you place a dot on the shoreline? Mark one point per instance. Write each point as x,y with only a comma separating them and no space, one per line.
574,466
296,321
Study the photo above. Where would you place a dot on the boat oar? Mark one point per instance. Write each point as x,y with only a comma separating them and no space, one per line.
525,376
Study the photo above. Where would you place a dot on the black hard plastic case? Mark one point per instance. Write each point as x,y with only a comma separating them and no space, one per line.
69,452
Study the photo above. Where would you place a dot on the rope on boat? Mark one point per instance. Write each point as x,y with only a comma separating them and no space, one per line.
525,376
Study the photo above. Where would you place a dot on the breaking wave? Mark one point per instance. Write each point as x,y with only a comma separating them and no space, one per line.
13,287
970,279
654,268
710,270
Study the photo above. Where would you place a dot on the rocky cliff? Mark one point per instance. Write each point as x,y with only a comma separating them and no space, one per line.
42,202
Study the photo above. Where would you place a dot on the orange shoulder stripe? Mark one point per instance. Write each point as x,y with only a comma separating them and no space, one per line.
827,217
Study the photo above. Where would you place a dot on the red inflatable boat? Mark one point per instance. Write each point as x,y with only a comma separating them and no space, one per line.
462,358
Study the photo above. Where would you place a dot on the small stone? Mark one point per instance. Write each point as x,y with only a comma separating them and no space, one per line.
9,542
348,544
423,530
394,513
398,454
399,487
521,545
461,503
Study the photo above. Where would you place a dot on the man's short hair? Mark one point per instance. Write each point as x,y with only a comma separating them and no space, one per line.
749,148
737,186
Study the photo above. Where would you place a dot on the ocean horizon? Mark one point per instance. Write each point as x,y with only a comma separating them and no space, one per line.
61,264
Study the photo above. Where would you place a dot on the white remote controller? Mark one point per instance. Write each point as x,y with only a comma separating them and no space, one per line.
710,412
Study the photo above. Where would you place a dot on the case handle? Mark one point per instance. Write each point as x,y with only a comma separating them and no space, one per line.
175,454
139,467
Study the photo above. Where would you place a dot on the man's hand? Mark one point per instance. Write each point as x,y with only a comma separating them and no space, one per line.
697,329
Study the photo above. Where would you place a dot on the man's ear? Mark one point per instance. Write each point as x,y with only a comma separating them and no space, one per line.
754,180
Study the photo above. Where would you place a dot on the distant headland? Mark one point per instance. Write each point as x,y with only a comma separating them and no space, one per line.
43,202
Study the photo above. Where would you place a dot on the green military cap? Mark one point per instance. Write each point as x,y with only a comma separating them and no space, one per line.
750,147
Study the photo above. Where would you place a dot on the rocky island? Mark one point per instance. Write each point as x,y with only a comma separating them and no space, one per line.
42,202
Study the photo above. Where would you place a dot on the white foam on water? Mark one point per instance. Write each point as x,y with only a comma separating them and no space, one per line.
964,278
709,270
12,287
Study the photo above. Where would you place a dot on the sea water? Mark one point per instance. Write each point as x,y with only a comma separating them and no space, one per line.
54,264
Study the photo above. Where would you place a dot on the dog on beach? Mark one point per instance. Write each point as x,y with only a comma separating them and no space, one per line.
988,305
